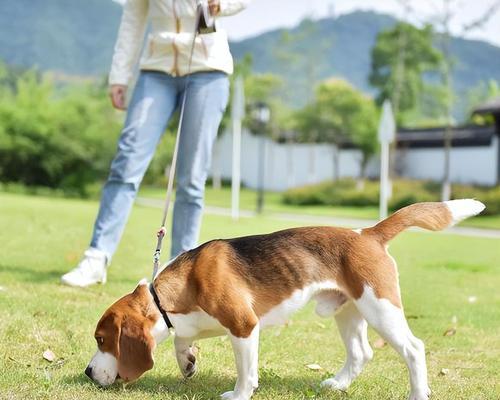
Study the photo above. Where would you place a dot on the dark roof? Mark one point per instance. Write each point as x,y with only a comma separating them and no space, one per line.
490,107
462,136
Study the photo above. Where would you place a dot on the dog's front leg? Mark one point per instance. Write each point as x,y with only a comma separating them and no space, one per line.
186,357
246,354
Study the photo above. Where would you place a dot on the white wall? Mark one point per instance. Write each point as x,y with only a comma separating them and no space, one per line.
291,165
468,164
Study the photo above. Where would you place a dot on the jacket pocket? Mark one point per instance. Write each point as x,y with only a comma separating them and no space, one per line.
215,45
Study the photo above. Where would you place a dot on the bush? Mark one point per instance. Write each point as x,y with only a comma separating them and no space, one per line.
58,139
405,192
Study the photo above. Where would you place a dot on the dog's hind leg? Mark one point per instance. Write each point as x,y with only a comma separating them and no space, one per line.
353,330
389,321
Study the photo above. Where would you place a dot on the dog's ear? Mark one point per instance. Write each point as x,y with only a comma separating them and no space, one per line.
136,353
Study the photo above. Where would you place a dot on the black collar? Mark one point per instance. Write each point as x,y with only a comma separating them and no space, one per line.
157,302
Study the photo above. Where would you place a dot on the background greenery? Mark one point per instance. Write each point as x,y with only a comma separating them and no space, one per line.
76,39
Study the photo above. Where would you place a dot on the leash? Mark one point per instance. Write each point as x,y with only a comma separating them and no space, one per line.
170,186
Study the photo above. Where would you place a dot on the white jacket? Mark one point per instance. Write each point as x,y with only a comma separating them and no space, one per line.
169,41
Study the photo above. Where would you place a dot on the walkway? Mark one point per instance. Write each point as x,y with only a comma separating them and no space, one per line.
325,220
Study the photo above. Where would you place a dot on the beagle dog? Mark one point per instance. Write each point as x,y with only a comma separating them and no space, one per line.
236,287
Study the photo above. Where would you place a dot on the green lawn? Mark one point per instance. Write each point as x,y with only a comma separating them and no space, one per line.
41,238
273,204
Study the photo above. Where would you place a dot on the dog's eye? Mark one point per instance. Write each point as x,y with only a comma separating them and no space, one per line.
99,340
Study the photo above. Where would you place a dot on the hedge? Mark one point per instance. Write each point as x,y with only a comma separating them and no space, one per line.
345,192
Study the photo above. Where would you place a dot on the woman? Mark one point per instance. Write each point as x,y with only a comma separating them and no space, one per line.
163,71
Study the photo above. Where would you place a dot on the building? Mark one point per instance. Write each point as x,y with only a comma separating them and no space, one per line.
475,157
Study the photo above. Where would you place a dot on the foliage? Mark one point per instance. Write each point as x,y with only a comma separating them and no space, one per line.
85,33
405,192
60,139
339,114
481,93
259,88
400,58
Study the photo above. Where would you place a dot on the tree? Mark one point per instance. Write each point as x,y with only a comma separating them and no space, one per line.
445,15
482,93
398,65
338,114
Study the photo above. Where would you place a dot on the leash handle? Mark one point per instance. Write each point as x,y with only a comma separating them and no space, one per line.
170,186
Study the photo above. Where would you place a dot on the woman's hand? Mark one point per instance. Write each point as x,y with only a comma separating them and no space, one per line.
118,95
214,7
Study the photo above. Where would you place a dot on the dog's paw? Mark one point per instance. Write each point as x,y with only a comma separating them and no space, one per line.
335,384
421,395
189,368
233,395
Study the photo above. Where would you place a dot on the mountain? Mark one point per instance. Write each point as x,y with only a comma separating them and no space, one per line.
341,47
69,36
76,37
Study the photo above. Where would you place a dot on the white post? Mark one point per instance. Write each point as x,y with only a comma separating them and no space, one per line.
386,134
384,179
237,113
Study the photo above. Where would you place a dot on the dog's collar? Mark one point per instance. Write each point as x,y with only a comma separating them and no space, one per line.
157,302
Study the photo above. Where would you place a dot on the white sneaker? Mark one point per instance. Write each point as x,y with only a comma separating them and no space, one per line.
90,270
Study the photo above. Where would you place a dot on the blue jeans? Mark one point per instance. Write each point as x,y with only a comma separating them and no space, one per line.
155,98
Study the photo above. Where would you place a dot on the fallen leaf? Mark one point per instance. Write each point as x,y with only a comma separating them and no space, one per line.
472,299
444,371
379,343
454,320
49,355
314,367
450,332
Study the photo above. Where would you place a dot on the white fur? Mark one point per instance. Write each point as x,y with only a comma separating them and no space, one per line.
160,331
246,352
389,321
280,314
104,368
462,209
358,230
353,330
195,325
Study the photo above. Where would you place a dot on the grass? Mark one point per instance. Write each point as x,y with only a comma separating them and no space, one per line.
248,199
41,238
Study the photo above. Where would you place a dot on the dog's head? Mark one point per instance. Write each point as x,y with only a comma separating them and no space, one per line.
125,337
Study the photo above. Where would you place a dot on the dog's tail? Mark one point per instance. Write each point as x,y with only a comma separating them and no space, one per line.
432,216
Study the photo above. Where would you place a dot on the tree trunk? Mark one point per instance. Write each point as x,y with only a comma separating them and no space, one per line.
336,163
360,184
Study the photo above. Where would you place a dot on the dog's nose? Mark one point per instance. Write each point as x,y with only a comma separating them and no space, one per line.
88,372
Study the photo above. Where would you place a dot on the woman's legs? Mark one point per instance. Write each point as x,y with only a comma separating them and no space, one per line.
207,97
154,100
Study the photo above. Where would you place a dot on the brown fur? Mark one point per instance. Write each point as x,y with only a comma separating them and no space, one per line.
432,216
124,330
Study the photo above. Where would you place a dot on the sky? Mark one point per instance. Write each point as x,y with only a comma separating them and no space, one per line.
265,15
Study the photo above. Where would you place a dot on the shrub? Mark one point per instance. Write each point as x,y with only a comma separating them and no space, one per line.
405,192
58,139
